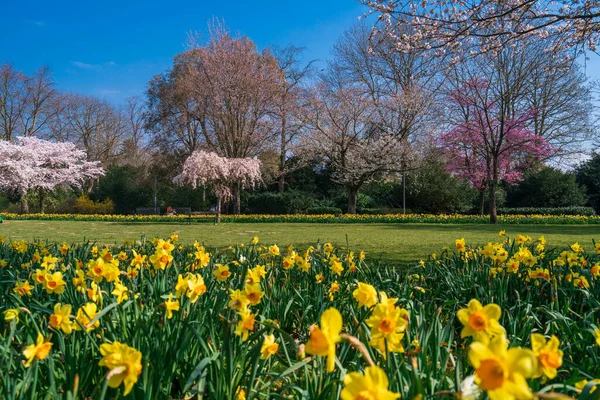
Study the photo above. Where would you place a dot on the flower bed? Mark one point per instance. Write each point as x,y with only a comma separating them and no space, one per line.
322,218
160,320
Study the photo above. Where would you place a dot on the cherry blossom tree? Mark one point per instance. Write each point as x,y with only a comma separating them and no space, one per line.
221,174
482,26
489,146
36,164
233,88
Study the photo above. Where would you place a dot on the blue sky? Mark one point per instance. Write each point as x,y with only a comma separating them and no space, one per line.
111,49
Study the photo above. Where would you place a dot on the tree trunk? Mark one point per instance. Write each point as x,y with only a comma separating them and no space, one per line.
282,152
352,200
24,205
492,193
218,210
42,196
482,201
236,199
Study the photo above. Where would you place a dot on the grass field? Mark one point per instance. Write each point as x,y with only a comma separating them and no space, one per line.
393,242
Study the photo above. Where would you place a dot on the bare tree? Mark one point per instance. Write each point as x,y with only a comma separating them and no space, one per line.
24,101
174,119
288,101
402,86
93,124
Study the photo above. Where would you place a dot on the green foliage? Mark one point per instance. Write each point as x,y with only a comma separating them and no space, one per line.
587,211
588,175
289,202
126,187
548,187
324,210
433,190
84,205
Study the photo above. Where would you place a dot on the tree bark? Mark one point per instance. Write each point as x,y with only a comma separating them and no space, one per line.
481,202
236,199
492,194
218,210
352,200
24,205
42,196
282,154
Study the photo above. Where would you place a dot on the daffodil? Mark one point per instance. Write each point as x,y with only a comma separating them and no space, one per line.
120,292
373,385
171,305
54,283
61,318
23,288
323,339
196,287
245,323
337,268
238,300
269,347
502,372
480,322
387,328
181,287
274,250
37,351
460,245
12,314
548,354
221,272
253,293
84,316
124,364
365,294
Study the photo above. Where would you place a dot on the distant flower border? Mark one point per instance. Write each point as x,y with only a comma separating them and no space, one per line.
323,218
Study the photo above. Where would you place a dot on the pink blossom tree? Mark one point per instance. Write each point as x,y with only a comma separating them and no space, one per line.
488,146
221,174
36,164
483,26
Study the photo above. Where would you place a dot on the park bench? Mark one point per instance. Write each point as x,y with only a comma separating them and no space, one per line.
187,211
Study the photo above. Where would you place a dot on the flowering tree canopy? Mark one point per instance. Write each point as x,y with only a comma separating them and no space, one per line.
220,173
33,163
489,146
487,25
346,134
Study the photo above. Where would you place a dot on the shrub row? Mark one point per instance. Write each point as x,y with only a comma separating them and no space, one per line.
588,211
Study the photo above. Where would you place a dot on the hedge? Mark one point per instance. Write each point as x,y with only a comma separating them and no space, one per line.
577,210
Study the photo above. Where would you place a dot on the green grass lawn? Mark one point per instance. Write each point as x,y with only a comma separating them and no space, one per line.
394,242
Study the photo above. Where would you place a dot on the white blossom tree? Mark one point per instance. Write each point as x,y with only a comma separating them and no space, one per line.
36,164
346,134
483,26
221,174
